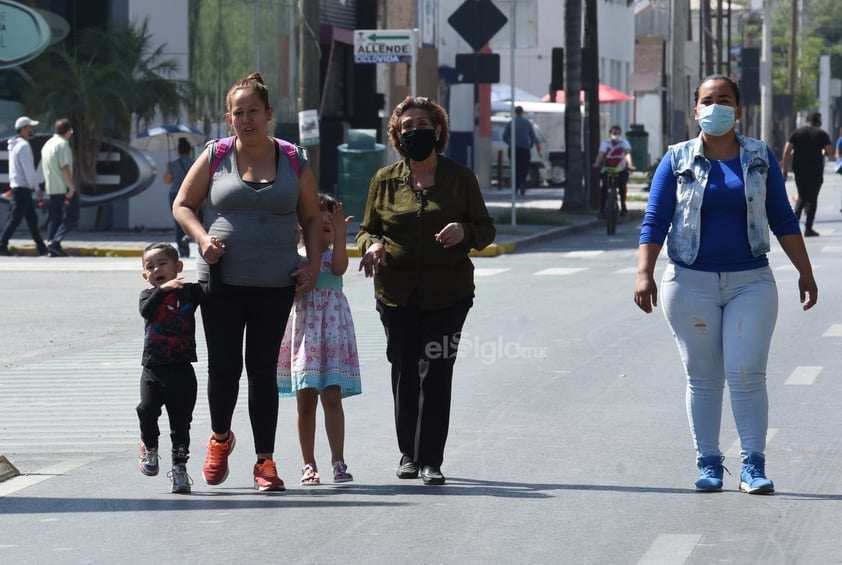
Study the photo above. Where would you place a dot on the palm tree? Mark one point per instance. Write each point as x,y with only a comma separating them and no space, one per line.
574,192
106,81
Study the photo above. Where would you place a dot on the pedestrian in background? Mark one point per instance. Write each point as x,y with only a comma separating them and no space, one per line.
169,351
318,358
808,146
525,138
422,217
256,197
615,153
174,176
23,180
57,164
714,199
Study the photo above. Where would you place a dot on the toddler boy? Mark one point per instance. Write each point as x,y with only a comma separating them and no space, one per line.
169,349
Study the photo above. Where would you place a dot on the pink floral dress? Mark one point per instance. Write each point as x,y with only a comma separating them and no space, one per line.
319,348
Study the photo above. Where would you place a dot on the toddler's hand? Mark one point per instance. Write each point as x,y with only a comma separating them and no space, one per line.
173,284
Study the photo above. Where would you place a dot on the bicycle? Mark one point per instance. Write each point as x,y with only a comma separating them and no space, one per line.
611,205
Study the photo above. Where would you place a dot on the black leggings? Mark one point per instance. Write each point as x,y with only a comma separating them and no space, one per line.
260,315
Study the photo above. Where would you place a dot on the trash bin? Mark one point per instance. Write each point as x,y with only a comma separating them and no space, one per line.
639,141
359,159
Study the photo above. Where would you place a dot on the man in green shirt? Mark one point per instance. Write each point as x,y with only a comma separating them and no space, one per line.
57,162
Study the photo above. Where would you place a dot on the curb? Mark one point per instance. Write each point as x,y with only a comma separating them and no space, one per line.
493,250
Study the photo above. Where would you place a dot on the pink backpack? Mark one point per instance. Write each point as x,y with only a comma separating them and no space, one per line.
223,146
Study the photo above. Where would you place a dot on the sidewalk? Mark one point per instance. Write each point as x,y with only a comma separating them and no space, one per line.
131,243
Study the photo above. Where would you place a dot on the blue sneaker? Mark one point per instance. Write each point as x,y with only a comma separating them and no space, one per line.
753,476
710,473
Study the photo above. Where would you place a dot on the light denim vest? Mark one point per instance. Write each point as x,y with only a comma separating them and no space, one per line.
691,169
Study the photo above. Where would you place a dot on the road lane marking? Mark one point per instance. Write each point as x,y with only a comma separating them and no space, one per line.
24,481
561,271
670,549
734,450
835,330
583,254
803,376
488,272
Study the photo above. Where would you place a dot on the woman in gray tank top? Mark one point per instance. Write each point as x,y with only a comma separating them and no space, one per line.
254,202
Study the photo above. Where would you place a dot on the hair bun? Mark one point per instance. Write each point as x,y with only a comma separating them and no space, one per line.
256,77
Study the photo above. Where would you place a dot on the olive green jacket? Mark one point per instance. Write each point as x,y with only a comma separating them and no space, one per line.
419,270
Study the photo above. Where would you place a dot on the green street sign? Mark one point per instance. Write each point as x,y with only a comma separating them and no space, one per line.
375,37
384,45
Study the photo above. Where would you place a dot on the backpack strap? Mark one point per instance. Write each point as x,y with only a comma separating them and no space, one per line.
223,146
292,154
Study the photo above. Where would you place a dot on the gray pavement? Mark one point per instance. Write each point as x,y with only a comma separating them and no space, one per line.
130,243
569,440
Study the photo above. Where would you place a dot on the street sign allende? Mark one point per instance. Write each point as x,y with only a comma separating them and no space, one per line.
384,45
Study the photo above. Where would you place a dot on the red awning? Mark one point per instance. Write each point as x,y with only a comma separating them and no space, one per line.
607,95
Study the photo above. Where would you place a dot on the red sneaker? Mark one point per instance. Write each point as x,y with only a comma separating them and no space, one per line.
215,469
266,476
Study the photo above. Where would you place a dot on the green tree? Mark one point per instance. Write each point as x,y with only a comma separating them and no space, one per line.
107,80
821,34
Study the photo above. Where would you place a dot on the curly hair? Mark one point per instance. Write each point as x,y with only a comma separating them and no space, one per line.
436,114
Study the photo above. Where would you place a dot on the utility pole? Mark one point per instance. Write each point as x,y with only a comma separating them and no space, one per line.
678,77
590,75
766,75
793,56
574,194
309,97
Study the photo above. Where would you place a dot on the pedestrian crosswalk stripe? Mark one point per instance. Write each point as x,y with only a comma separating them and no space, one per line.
803,376
561,271
488,272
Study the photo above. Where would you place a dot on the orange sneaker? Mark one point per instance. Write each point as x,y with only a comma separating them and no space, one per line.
215,469
266,476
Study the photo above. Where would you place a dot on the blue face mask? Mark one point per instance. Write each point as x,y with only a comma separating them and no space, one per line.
716,119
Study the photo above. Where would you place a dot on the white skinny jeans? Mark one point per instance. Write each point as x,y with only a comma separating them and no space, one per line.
723,325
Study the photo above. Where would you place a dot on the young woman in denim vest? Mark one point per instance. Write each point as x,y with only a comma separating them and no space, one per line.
714,199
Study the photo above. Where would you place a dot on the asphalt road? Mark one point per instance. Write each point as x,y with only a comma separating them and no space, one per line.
569,441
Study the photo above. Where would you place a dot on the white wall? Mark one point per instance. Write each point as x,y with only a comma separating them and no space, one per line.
168,24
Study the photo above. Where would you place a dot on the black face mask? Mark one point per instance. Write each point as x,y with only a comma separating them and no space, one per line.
419,143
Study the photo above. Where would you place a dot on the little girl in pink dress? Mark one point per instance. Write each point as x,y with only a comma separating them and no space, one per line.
318,356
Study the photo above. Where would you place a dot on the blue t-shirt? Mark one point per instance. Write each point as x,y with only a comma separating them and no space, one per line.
723,236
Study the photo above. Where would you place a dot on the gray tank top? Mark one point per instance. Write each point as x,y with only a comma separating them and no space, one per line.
259,227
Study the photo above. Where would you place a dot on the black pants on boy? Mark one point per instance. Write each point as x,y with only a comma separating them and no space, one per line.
173,386
421,347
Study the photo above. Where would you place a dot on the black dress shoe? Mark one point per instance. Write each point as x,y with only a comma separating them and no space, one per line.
432,475
811,233
55,250
407,471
